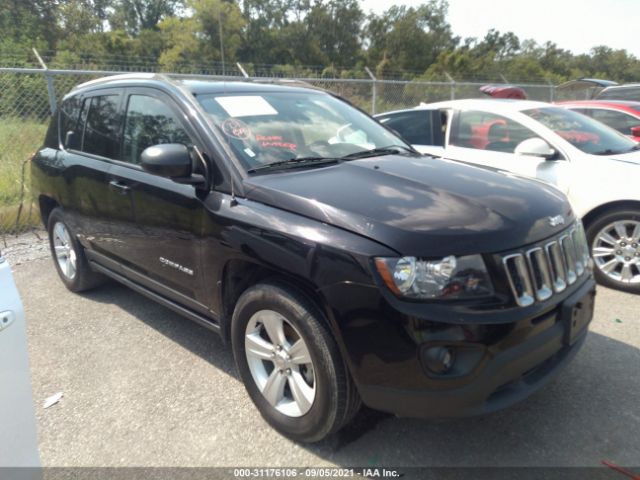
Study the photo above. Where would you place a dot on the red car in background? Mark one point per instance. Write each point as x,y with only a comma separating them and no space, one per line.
623,116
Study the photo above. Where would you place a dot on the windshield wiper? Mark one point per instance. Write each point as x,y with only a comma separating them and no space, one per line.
608,151
306,161
294,162
390,150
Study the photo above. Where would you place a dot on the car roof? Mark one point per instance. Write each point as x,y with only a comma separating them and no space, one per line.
626,85
198,85
496,105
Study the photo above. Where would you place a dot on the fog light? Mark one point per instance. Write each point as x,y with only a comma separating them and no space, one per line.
438,359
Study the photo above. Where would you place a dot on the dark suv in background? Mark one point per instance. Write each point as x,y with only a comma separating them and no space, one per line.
342,266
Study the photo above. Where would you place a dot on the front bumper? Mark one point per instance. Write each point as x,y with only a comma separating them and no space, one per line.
517,360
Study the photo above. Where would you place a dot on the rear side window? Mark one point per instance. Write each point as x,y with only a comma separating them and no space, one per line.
101,133
415,127
70,129
149,121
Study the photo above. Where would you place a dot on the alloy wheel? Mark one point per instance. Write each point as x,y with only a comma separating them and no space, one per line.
616,251
280,363
64,251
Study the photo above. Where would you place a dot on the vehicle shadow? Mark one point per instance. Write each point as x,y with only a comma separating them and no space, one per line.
589,413
197,339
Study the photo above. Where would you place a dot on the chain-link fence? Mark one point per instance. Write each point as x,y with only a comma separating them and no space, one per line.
27,96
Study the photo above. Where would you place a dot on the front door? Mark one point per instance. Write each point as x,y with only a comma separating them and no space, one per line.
488,139
158,230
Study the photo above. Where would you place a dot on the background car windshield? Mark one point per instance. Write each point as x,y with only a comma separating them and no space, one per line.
582,132
263,128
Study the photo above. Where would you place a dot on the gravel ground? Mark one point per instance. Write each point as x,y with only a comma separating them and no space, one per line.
145,387
26,247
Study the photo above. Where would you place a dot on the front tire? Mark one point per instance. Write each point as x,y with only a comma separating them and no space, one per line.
290,364
614,242
68,255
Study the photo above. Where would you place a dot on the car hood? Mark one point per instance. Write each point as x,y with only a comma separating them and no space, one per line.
420,206
631,157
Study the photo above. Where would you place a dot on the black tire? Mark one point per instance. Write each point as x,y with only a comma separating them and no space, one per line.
84,278
336,399
594,228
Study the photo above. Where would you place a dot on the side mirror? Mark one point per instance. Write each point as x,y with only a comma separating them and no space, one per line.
535,147
72,140
171,160
635,131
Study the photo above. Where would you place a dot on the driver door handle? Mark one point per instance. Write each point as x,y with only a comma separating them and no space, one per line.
121,187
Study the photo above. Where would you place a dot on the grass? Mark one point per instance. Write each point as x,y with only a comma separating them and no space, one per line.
19,139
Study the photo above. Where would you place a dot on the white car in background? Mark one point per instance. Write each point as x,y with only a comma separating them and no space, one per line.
595,166
18,442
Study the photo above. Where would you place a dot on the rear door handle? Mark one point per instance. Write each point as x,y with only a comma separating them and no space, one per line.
123,188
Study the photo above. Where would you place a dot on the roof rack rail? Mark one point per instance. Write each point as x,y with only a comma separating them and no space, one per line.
121,76
172,77
285,81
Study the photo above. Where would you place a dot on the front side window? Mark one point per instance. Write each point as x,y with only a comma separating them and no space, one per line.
264,128
487,131
582,132
620,121
149,121
101,132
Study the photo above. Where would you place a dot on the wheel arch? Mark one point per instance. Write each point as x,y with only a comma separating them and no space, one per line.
47,205
239,274
592,215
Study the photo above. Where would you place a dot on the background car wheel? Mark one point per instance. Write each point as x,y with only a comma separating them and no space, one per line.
614,240
68,256
290,363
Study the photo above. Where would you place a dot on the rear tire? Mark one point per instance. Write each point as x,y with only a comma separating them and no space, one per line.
68,255
614,244
303,390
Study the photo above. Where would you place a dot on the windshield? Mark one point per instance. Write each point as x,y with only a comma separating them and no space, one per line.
582,132
265,128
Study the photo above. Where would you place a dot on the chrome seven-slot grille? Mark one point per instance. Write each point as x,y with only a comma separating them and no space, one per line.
548,267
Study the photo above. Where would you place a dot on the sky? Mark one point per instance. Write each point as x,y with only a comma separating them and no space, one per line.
575,25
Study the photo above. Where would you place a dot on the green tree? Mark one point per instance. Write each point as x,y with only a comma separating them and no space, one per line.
411,38
335,26
134,16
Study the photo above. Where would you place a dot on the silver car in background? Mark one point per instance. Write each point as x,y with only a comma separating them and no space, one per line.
18,441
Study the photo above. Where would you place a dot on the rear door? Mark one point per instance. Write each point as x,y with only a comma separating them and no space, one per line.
89,131
158,229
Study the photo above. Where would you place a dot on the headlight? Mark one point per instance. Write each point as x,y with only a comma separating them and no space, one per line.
448,278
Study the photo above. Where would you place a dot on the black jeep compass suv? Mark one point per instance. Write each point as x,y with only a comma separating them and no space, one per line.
342,266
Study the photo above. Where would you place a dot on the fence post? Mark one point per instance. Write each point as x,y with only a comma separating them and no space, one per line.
50,88
552,91
373,90
242,70
453,86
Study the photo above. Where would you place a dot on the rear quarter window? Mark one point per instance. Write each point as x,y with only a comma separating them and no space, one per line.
70,131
